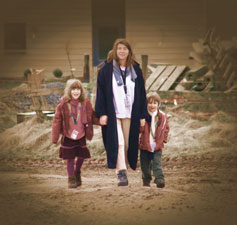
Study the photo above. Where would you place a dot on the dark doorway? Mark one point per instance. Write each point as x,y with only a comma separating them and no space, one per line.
108,24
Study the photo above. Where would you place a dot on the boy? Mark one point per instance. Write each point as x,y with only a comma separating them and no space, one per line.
153,136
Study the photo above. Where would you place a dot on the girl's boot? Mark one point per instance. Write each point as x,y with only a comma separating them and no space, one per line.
72,182
78,179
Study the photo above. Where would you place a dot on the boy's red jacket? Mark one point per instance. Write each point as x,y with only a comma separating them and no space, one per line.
161,134
62,116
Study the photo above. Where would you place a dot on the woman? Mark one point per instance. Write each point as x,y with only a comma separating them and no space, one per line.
121,107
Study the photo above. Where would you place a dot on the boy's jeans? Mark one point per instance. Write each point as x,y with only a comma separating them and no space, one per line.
147,164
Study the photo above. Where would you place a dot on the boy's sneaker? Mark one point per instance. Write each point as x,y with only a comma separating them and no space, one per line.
160,183
122,178
72,182
146,184
78,179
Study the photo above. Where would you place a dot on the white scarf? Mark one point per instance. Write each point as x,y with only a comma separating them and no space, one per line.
153,125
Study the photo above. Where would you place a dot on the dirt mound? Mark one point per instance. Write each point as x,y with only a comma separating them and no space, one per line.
21,87
223,117
7,117
28,138
191,136
187,136
32,138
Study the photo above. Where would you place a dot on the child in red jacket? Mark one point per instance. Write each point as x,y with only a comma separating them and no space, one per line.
74,119
153,136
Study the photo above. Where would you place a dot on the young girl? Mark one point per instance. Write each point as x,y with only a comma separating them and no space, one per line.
74,119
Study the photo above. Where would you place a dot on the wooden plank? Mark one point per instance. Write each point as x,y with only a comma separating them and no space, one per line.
144,66
231,79
151,68
232,89
179,87
172,78
45,91
35,78
199,48
228,71
224,62
162,78
152,78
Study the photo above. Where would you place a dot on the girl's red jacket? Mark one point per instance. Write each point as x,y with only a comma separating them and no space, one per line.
62,116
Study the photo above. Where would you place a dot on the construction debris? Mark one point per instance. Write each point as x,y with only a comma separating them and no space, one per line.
218,64
164,77
215,68
44,96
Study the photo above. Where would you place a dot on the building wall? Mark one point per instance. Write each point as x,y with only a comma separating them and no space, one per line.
50,25
161,29
165,29
222,15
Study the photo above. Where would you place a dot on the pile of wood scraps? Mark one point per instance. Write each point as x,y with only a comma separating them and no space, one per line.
217,65
164,77
40,94
215,68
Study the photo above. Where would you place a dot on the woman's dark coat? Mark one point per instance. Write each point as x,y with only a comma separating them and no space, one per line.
104,106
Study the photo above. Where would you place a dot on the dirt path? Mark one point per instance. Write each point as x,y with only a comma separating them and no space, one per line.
197,192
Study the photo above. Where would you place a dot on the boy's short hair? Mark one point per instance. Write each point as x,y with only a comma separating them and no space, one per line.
153,97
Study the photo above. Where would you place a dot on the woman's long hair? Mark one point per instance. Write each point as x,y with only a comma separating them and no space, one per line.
113,53
72,84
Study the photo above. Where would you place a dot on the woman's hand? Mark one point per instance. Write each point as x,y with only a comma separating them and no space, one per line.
103,120
142,122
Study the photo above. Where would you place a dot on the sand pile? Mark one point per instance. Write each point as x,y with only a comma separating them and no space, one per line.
32,138
7,117
187,136
190,136
21,87
28,138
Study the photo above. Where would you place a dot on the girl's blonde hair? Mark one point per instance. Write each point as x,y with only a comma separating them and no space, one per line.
113,53
72,84
153,97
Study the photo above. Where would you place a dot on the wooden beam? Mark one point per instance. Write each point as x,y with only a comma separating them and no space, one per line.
232,89
231,79
224,62
45,91
86,70
152,78
179,87
144,66
35,79
228,71
197,73
172,78
151,68
163,77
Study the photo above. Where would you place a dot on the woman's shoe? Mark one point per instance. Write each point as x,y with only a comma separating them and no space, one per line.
122,178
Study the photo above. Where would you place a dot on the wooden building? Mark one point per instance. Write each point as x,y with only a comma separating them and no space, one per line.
36,34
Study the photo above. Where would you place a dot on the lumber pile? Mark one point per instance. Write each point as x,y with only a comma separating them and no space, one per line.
164,77
215,68
217,65
40,93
